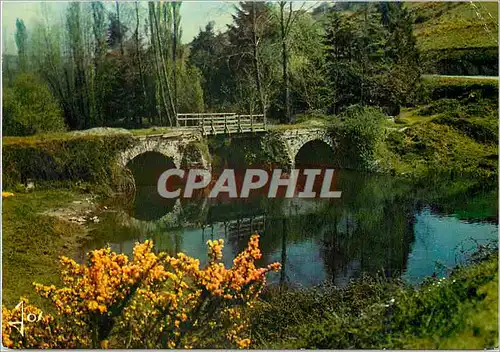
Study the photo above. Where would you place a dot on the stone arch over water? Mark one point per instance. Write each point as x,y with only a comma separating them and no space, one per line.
168,148
295,140
315,153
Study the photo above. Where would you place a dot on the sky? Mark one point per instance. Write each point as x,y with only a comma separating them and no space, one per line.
194,15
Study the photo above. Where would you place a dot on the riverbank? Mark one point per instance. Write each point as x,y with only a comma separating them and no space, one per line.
458,312
434,145
37,228
372,312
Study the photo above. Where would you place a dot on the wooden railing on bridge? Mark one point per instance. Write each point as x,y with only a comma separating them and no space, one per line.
247,226
222,123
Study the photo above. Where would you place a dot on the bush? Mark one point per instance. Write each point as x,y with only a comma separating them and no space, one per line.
357,135
30,108
150,301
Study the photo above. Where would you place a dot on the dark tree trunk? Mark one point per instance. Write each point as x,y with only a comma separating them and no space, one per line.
256,61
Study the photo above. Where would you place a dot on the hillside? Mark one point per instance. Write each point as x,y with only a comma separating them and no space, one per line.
456,38
455,25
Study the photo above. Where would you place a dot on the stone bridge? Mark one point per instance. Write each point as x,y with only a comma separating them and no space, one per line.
173,145
293,140
176,145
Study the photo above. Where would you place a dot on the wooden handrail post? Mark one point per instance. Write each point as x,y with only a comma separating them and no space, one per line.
239,124
251,122
203,125
212,122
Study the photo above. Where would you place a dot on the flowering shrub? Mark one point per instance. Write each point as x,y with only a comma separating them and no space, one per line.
151,301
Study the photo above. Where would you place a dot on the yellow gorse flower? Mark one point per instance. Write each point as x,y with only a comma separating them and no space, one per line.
156,300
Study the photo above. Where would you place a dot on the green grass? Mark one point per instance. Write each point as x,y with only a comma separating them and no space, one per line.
446,135
451,25
304,121
152,130
37,138
458,312
32,242
411,116
431,146
432,82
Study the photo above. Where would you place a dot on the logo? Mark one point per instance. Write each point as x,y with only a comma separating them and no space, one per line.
30,318
306,183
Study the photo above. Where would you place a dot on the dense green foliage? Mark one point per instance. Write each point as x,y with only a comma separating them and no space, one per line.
372,57
357,137
455,38
62,158
456,312
280,59
29,108
120,67
133,70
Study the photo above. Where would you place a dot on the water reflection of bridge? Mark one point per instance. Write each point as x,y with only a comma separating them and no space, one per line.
368,229
241,227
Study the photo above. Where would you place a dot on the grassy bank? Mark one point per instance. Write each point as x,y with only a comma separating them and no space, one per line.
455,25
454,131
454,313
33,242
457,38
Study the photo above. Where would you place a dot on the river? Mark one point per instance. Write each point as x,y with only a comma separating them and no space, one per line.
381,225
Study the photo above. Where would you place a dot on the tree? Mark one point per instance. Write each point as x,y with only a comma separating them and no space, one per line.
116,32
341,44
158,28
209,53
403,51
78,72
99,28
285,24
29,108
308,76
252,26
21,43
372,56
176,35
138,54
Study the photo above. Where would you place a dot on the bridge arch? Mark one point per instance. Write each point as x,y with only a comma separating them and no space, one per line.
295,140
169,149
313,154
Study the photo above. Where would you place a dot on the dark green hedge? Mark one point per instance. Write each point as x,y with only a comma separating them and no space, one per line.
463,61
67,158
459,88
